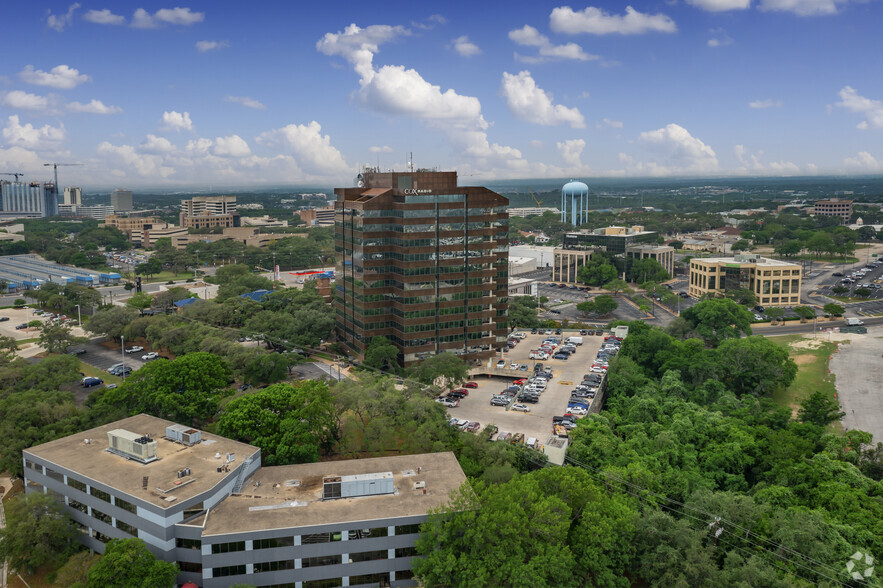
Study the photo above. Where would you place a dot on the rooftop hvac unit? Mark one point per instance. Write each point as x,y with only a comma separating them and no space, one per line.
357,485
132,445
182,434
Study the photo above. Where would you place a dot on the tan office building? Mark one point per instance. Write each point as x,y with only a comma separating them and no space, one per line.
566,263
775,283
834,207
663,254
127,224
208,212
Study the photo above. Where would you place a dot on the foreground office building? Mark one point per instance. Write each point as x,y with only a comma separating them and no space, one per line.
422,262
204,502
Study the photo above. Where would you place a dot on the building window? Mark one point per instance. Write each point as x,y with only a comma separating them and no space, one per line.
100,494
76,484
407,529
55,475
404,575
188,543
228,547
406,551
127,528
126,506
375,579
327,583
188,566
371,533
369,555
100,536
193,510
228,571
320,538
273,542
101,516
273,566
322,560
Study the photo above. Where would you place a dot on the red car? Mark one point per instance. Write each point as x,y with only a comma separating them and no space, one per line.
462,391
520,382
470,385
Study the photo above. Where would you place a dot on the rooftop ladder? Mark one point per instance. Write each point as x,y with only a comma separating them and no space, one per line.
237,486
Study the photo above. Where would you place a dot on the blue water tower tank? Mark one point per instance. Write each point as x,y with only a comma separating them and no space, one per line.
575,199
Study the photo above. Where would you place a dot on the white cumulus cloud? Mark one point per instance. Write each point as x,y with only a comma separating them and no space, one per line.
465,47
597,21
105,17
678,151
177,121
61,76
245,101
154,144
571,151
26,101
231,146
871,109
59,22
614,124
766,103
753,164
802,7
93,107
28,136
173,16
312,150
142,164
720,5
529,102
380,149
206,46
719,38
528,36
863,162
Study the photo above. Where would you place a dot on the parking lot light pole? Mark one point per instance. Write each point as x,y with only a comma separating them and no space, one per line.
123,355
79,320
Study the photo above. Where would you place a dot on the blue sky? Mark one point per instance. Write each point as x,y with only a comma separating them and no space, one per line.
267,93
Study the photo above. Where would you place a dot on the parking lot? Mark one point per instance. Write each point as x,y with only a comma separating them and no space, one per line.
566,374
101,357
18,316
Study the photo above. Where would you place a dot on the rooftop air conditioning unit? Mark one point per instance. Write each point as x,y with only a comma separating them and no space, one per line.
132,445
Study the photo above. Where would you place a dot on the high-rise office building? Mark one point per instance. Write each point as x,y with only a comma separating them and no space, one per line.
73,196
422,262
121,200
209,211
28,200
834,207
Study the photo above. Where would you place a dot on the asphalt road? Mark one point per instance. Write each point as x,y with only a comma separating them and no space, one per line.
102,358
858,371
799,328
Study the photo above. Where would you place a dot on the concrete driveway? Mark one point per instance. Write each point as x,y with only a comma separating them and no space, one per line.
858,372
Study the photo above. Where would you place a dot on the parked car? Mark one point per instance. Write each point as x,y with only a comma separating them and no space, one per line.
499,401
134,349
21,326
560,356
88,382
449,402
110,386
520,408
501,363
473,426
3,319
470,385
462,391
149,356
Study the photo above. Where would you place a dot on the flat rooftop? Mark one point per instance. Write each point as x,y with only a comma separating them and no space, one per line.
93,461
291,496
761,261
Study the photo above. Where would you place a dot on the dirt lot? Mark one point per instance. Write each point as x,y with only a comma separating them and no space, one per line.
538,423
24,315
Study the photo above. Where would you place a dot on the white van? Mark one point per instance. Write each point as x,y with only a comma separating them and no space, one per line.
574,340
854,322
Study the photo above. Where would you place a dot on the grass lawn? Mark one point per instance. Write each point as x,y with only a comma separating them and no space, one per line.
99,373
848,260
811,356
167,275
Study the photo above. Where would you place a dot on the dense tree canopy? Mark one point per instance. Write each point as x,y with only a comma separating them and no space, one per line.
290,423
718,319
127,563
38,532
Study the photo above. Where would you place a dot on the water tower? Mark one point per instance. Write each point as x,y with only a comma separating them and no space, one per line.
575,200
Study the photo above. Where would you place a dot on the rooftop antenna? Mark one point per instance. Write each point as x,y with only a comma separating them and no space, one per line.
411,161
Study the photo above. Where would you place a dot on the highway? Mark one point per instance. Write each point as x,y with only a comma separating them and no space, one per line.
794,328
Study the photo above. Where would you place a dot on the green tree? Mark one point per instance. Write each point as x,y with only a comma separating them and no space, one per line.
833,309
242,285
743,296
127,563
805,312
755,365
775,313
19,302
862,292
741,245
57,337
586,307
718,319
523,311
290,423
839,290
382,355
111,321
789,248
188,389
598,270
38,532
605,304
616,286
167,298
151,267
140,301
445,367
819,410
820,242
75,569
676,244
646,270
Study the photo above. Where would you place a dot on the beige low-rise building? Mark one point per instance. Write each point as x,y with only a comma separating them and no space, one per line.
775,283
148,235
566,263
247,235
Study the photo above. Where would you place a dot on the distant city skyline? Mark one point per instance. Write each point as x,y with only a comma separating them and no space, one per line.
280,93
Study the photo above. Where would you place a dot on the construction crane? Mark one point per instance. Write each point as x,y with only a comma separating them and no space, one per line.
16,174
535,199
55,168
